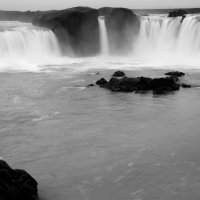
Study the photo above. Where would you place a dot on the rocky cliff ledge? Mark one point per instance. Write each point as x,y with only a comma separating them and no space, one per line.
123,26
75,27
78,28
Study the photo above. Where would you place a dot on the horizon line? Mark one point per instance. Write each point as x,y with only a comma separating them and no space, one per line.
169,8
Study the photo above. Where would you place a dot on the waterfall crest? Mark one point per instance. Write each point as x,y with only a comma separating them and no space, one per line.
171,38
104,43
25,46
20,39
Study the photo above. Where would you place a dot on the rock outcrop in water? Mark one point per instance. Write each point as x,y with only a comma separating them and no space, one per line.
122,27
140,84
178,13
119,74
175,74
75,27
16,184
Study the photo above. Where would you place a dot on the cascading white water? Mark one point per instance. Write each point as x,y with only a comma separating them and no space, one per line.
24,44
169,38
104,44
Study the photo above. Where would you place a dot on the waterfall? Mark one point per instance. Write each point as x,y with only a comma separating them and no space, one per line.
25,43
161,37
104,44
21,39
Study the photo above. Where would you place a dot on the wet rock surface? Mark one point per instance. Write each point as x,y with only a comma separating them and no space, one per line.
120,83
123,27
16,184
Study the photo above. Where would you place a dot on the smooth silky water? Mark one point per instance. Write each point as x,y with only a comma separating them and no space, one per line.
84,143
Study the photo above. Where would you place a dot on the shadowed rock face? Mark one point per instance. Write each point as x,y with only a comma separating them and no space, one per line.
77,27
16,184
123,27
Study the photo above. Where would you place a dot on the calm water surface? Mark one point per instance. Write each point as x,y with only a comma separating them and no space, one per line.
91,144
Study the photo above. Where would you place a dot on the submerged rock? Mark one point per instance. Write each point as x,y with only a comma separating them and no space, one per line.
90,85
184,85
16,184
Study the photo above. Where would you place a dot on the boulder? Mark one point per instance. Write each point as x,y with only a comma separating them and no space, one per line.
101,82
77,29
16,184
122,27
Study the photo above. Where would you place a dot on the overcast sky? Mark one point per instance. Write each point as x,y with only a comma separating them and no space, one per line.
61,4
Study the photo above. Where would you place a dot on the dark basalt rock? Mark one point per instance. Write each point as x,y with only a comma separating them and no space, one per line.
162,85
16,184
75,27
101,82
140,84
175,74
105,11
122,27
178,13
119,74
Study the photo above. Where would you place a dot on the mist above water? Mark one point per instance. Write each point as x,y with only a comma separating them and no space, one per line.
162,43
